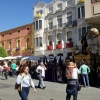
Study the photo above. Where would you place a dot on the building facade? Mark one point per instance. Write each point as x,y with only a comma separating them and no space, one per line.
58,26
92,14
18,41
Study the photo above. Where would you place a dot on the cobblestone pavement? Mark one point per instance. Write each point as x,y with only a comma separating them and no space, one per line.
54,91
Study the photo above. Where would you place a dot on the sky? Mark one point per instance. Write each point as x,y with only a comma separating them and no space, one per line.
15,13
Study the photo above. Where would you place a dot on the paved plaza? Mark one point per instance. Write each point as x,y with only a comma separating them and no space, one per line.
54,91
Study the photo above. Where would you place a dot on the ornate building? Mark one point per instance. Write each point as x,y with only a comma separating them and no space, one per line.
59,26
18,41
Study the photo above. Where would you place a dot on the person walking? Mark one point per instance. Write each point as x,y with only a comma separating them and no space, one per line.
72,81
41,74
84,69
13,67
24,78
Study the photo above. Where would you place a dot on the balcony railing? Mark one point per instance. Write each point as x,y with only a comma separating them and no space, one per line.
69,45
59,46
61,26
50,47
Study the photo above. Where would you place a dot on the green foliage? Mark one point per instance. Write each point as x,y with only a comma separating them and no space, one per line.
3,52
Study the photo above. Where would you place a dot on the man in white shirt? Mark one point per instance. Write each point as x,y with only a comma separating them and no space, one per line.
41,74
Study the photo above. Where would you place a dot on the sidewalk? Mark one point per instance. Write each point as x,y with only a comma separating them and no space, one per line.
54,91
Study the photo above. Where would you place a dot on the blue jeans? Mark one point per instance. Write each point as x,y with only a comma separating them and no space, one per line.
24,93
14,72
85,79
41,82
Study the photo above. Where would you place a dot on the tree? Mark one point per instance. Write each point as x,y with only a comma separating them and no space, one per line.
3,52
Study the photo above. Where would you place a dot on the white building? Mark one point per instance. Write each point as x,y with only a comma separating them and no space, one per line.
58,26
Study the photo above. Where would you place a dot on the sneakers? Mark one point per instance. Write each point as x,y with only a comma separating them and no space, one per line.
44,87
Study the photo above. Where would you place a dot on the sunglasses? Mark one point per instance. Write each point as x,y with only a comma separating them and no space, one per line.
27,69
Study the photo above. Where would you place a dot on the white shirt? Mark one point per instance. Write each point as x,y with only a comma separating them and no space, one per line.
43,71
75,73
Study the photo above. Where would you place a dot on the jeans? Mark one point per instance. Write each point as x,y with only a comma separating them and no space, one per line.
24,93
85,79
41,82
69,96
14,72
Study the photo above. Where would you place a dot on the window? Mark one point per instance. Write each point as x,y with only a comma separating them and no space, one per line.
50,42
69,36
83,30
50,25
10,45
36,25
51,10
28,28
79,13
69,2
28,43
69,18
80,35
59,6
40,12
40,41
19,43
93,1
83,11
40,24
59,38
2,44
36,41
18,31
59,22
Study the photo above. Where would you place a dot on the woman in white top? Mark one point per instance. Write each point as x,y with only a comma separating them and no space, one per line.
72,81
25,80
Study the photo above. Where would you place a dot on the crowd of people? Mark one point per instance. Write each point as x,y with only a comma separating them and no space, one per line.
67,72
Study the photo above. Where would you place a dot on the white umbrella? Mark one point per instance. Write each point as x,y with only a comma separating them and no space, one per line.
9,58
1,58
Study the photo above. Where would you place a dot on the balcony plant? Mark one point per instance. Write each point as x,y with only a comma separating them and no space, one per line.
8,50
17,48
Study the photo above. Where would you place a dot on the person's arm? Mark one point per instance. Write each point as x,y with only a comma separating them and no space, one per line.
44,68
32,85
88,69
19,78
80,69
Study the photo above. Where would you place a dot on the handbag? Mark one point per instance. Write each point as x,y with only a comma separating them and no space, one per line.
18,87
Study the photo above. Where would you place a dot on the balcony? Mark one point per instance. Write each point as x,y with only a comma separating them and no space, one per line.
69,45
50,47
59,46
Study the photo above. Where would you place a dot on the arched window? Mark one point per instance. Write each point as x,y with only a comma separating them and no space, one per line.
3,44
10,45
19,43
28,43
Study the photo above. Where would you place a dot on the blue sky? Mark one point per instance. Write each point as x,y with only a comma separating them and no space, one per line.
15,13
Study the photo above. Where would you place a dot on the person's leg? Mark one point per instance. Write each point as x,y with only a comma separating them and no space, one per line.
42,83
75,97
39,83
83,76
68,96
87,79
23,94
5,74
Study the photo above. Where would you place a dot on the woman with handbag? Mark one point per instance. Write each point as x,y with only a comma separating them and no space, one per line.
24,81
72,81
